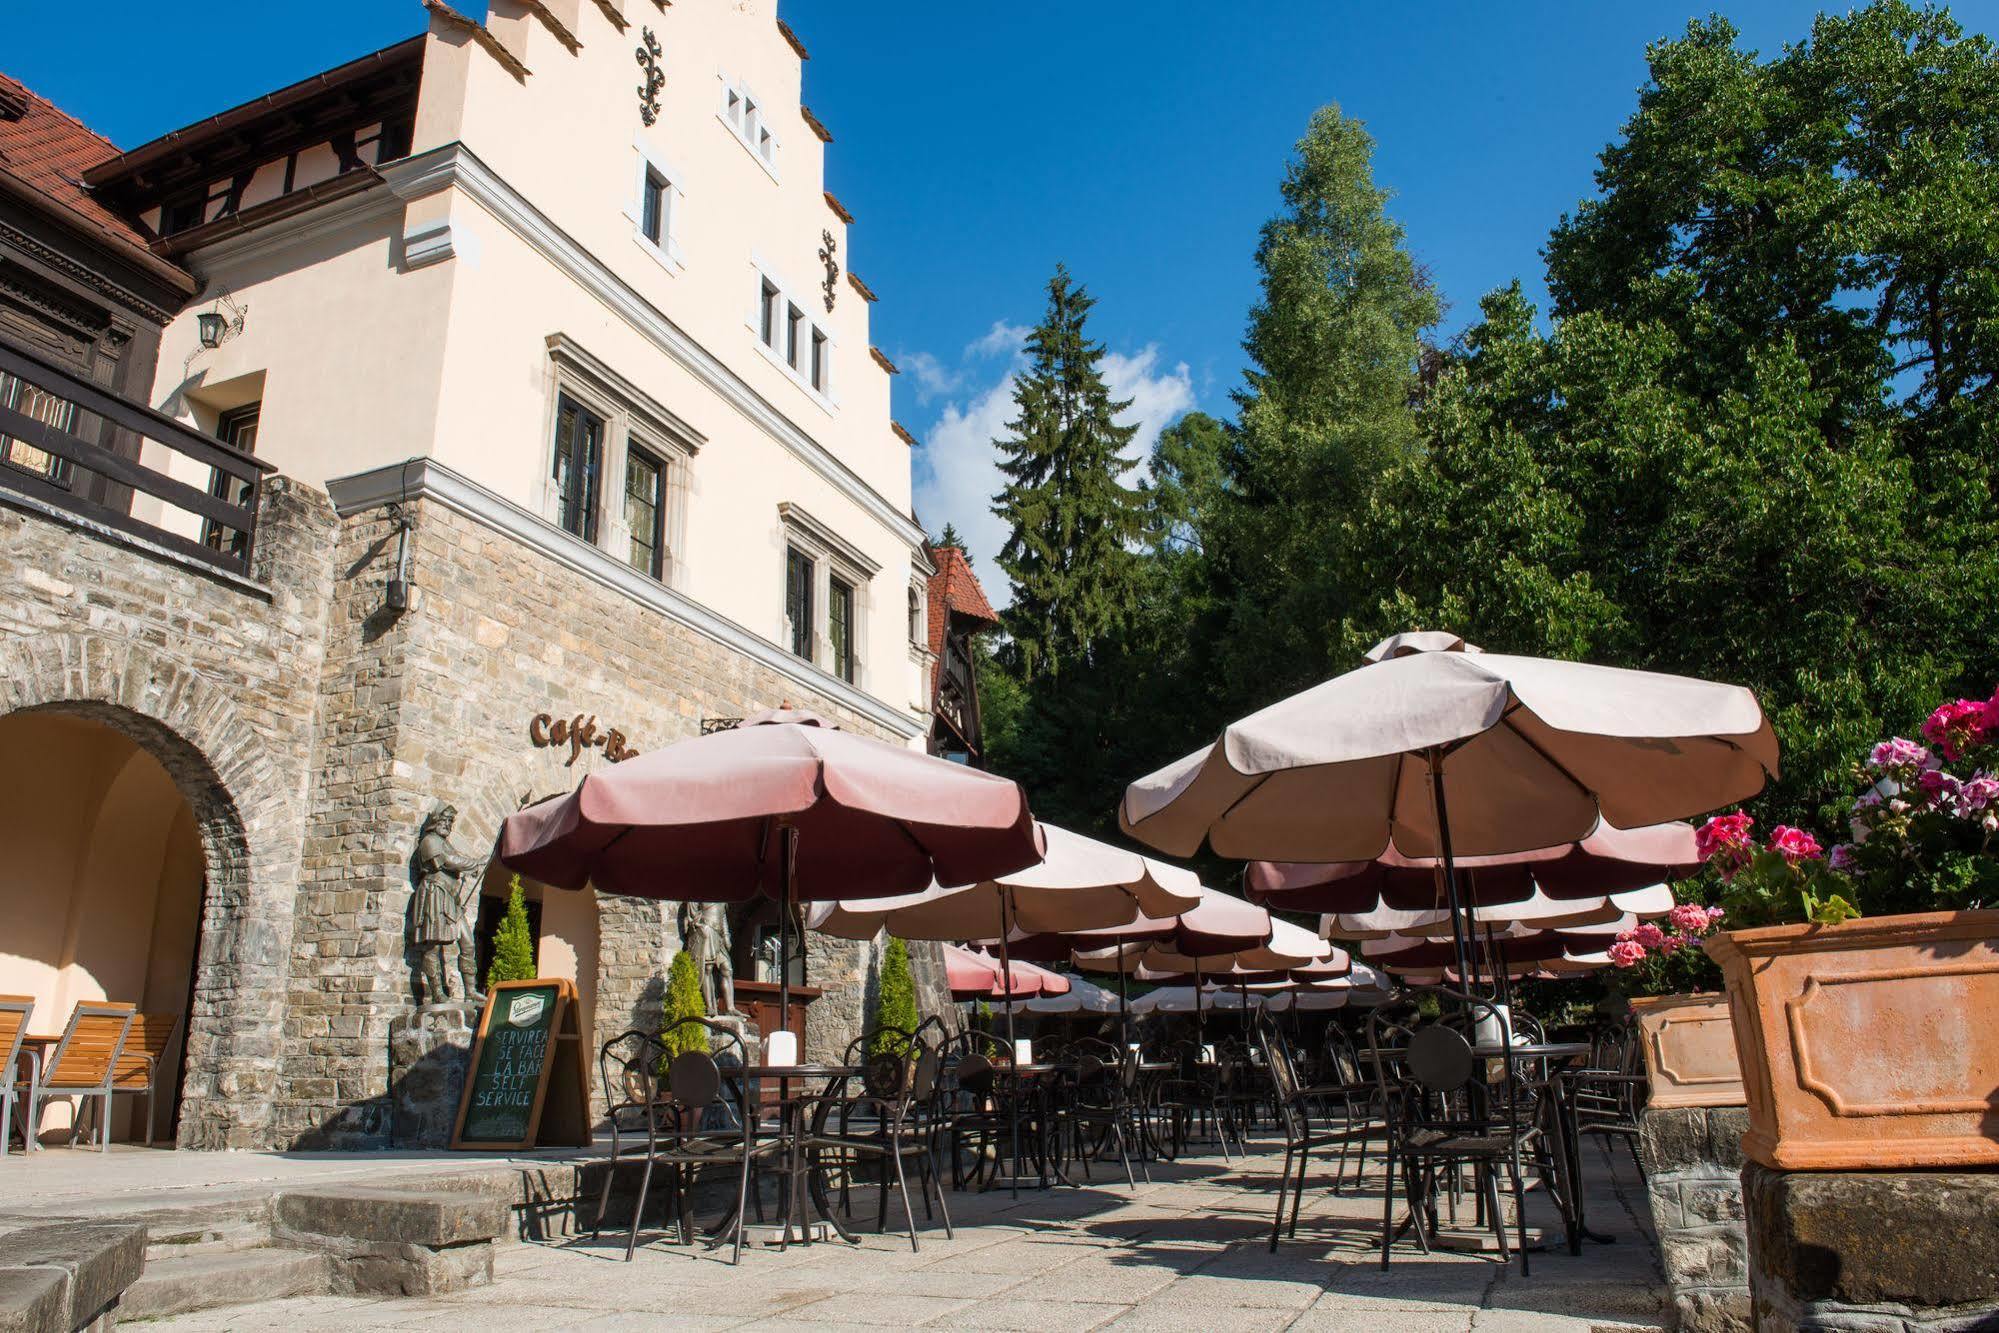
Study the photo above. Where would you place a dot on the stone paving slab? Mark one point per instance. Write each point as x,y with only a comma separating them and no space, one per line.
1189,1250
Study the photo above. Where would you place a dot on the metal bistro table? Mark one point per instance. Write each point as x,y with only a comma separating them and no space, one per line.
1556,1061
791,1132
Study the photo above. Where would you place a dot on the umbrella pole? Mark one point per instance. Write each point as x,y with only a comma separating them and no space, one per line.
1123,1014
1013,1050
788,858
1200,1025
1458,944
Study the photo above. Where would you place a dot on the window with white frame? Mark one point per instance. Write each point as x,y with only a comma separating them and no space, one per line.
656,205
802,348
618,463
826,582
744,114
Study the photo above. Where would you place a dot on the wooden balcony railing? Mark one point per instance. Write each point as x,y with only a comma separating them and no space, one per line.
74,446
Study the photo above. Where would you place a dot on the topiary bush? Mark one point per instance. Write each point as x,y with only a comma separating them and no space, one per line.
896,1007
683,1000
513,945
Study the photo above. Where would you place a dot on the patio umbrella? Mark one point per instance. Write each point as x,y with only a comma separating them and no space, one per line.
1183,1000
1083,998
1219,927
975,975
1539,912
1610,859
1078,884
785,804
1438,751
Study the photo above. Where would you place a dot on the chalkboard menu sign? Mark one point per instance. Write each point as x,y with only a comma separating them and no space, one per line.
526,1081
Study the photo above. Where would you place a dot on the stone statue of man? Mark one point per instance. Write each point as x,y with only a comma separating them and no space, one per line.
704,933
441,915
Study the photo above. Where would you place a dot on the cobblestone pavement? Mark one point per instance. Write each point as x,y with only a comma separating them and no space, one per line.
1186,1251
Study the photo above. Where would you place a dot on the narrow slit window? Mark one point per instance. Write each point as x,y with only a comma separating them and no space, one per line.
798,575
579,456
840,627
652,207
645,510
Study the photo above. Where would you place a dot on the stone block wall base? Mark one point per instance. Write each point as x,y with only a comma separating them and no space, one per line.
1693,1162
429,1049
391,1242
1894,1251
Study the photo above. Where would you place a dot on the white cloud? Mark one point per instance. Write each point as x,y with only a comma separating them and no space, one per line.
933,377
1002,339
957,472
1157,400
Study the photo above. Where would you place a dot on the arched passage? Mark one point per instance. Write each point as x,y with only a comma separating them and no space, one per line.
101,885
243,830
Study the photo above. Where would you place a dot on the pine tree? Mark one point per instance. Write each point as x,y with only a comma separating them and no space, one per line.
513,945
1073,522
896,1007
1335,340
951,538
683,1000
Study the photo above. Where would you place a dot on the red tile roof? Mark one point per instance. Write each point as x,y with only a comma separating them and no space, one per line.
953,591
46,150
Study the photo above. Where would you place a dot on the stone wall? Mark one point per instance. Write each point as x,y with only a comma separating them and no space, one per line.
312,729
1693,1172
432,705
218,679
1873,1251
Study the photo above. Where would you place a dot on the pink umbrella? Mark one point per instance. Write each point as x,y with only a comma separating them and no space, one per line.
784,804
976,975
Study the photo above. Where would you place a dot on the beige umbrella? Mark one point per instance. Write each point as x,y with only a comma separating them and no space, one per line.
1443,753
1081,884
1538,911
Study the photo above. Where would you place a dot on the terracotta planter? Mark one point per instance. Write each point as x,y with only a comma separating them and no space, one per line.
1870,1044
1689,1047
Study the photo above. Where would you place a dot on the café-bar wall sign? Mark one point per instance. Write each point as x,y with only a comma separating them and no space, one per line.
579,733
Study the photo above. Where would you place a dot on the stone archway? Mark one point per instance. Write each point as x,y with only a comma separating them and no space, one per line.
248,828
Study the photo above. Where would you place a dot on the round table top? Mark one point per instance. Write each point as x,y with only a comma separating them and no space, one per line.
1536,1049
799,1071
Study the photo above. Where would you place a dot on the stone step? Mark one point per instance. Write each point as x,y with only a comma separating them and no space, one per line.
181,1284
432,1218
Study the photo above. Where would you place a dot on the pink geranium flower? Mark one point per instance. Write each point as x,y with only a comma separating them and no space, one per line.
1688,918
1842,858
1794,844
1648,935
1959,726
1627,953
1900,756
1978,795
1724,842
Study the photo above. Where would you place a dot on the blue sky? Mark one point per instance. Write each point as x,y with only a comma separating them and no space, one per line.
1139,142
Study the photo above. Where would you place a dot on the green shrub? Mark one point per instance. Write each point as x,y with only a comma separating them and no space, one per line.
683,1000
513,945
896,1007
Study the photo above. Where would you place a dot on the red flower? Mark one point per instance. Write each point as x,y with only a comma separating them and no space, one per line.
1794,844
1958,726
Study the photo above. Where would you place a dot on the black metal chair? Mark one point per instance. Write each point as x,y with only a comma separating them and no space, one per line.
1190,1100
887,1121
1295,1107
1610,1090
1445,1118
689,1122
1095,1106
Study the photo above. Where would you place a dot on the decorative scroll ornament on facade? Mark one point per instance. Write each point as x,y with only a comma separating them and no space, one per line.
579,733
647,53
827,250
